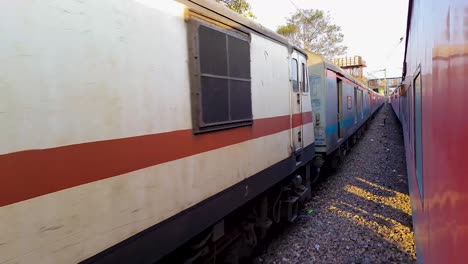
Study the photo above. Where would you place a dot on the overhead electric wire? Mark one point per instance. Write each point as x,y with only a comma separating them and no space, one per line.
298,9
390,53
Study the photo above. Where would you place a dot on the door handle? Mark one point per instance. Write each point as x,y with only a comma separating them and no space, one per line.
298,98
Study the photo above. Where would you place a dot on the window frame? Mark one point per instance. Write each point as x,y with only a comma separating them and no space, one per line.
418,136
198,123
298,88
305,79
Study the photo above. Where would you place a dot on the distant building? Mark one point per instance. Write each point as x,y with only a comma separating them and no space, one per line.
354,66
378,85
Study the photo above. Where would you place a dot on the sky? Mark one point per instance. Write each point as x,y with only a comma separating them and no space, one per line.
372,28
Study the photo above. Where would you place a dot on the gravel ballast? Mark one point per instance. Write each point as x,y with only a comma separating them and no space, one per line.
361,212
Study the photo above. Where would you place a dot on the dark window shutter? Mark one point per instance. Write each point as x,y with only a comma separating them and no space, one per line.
212,46
225,98
239,58
215,100
241,102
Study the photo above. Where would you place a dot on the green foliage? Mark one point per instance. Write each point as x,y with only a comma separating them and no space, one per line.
313,30
240,6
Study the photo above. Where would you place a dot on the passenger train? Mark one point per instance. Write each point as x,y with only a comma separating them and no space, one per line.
131,130
336,94
431,106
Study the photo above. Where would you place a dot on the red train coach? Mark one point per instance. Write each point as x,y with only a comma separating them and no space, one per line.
433,109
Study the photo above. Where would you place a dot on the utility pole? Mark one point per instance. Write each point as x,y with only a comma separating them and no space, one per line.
385,80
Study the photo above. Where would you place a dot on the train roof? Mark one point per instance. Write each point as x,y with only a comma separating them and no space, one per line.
330,65
227,16
408,24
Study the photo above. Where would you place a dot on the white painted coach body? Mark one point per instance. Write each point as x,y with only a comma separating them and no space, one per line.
98,128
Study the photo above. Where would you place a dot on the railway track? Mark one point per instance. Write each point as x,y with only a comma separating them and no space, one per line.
360,213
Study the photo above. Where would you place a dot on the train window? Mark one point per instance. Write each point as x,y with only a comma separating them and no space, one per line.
294,76
222,82
418,132
305,84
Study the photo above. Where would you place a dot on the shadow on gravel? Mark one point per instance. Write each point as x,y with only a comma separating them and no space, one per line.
371,240
380,206
385,212
375,204
361,213
374,188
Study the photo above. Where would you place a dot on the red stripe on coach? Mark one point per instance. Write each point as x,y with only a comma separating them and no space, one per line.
31,173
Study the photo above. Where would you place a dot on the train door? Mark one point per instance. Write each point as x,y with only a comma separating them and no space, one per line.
339,94
399,107
364,105
399,102
370,103
297,80
305,99
355,105
361,103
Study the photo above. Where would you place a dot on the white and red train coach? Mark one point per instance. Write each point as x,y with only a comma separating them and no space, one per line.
128,127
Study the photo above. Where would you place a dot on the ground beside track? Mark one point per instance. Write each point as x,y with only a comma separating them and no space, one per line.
359,214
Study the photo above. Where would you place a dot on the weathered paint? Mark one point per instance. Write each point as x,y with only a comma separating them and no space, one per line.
95,115
324,100
436,48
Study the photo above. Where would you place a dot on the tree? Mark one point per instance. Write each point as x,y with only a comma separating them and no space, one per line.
240,6
313,30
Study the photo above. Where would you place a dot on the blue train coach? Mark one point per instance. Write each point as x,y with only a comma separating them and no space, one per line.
341,105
